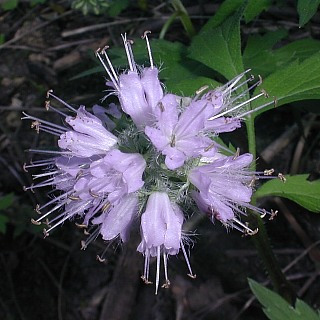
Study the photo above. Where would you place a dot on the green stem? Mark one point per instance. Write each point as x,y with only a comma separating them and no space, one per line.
168,24
261,239
184,17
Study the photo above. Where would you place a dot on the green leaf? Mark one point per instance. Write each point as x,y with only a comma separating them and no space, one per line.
297,188
9,5
6,201
220,48
254,8
116,7
306,10
298,81
276,308
259,56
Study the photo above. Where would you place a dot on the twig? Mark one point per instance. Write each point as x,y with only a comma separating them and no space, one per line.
42,25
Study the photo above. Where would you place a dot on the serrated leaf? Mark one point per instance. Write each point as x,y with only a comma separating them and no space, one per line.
276,308
254,8
220,48
298,81
296,188
6,201
306,10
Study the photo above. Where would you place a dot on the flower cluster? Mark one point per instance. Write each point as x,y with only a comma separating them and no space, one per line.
161,164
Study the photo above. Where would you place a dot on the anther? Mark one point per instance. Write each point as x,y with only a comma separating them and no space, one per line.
85,232
37,209
145,280
268,172
37,223
237,154
106,207
264,214
36,125
48,93
209,147
260,80
92,194
275,101
273,214
192,276
81,226
79,174
45,233
97,51
253,232
100,259
166,285
252,182
47,104
74,198
200,90
24,167
173,141
145,34
161,106
282,177
265,93
83,245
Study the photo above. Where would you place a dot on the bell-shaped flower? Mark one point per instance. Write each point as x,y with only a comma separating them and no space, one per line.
161,231
118,219
88,137
224,185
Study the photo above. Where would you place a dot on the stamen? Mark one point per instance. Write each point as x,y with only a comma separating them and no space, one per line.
167,283
108,71
49,93
255,110
126,47
273,214
158,269
145,36
48,106
268,172
109,63
41,121
190,274
236,107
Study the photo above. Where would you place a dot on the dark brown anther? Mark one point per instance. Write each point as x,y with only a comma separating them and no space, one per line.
209,147
74,198
92,194
36,125
106,207
146,281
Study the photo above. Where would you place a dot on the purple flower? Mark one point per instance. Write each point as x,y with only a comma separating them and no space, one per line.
118,219
178,135
225,189
88,137
161,229
139,90
116,175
